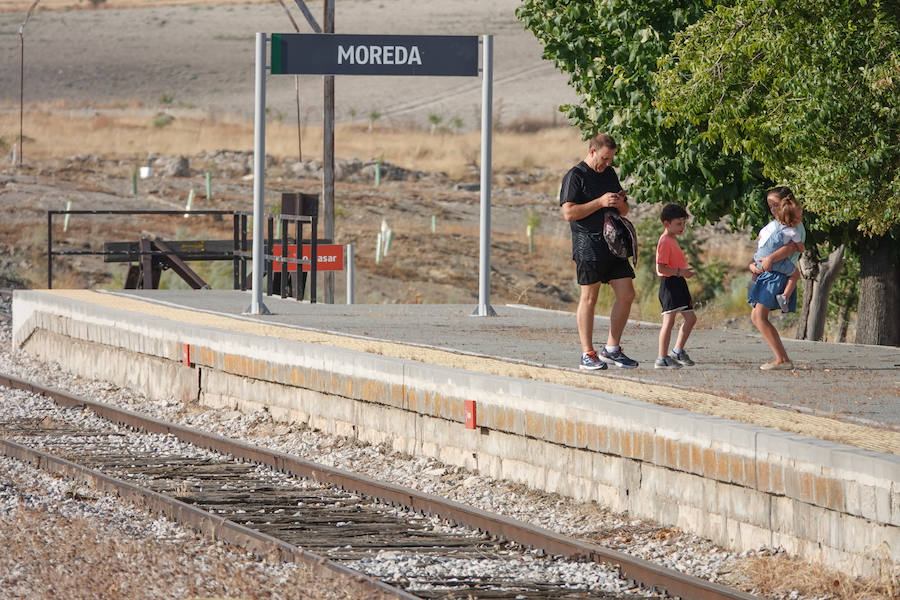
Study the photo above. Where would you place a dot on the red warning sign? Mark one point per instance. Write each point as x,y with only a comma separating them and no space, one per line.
330,257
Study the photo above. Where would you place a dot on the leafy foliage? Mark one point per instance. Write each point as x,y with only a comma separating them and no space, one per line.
713,101
610,50
162,120
532,218
809,89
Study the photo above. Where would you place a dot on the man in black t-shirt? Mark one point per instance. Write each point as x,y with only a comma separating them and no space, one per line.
589,190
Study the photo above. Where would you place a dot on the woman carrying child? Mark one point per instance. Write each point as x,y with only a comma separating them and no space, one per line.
772,267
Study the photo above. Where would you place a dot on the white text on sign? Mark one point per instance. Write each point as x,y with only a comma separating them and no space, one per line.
379,55
330,257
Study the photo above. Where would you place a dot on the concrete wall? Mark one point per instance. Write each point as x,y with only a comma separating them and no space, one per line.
740,485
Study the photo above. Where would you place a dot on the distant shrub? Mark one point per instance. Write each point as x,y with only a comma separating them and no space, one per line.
528,125
162,120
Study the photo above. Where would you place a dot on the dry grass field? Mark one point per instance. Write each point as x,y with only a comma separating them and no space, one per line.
58,130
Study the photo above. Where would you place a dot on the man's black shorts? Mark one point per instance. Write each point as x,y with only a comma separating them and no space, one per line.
674,295
604,271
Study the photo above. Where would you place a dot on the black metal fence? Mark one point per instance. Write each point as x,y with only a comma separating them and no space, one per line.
284,241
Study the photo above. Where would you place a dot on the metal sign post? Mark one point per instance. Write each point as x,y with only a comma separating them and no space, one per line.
259,175
406,55
484,308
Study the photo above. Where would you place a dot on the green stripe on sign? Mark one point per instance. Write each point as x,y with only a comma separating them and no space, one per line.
276,62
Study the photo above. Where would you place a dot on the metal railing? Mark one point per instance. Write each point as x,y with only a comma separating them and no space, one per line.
51,213
239,253
284,241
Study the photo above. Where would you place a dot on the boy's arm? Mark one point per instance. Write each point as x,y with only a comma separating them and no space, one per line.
667,271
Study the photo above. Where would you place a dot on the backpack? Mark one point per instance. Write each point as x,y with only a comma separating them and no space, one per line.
620,236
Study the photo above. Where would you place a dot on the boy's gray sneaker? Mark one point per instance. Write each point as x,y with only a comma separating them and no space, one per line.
667,362
683,359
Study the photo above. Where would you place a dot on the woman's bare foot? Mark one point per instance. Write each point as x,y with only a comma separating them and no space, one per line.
777,366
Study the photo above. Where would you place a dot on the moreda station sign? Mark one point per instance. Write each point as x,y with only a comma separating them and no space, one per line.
332,54
340,54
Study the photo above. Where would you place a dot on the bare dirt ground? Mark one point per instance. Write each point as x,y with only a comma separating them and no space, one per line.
202,55
129,59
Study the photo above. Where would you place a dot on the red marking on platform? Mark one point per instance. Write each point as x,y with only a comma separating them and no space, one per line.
470,414
186,354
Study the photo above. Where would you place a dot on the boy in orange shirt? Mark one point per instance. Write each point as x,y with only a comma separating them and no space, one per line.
674,296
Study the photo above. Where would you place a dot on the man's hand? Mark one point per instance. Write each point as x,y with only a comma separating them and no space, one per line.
614,200
766,263
609,200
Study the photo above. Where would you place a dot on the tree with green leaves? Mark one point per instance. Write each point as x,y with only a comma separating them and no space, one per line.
610,50
811,91
624,61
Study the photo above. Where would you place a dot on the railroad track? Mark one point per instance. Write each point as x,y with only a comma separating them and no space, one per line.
331,517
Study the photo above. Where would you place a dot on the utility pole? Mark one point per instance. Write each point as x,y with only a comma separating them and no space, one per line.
22,81
328,153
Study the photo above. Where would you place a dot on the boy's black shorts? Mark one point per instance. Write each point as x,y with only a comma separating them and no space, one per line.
674,295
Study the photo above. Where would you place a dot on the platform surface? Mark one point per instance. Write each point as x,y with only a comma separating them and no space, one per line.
853,383
840,392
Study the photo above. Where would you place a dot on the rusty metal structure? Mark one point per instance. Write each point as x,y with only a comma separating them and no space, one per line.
149,257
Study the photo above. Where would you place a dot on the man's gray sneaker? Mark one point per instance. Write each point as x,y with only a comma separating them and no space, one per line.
683,359
667,362
618,359
590,362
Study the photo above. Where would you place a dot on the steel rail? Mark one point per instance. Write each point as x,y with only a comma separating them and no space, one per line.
640,571
217,527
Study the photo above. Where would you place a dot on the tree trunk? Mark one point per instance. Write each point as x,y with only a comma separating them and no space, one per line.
842,323
818,278
878,316
809,272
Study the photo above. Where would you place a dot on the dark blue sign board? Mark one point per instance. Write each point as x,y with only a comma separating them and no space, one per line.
340,54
